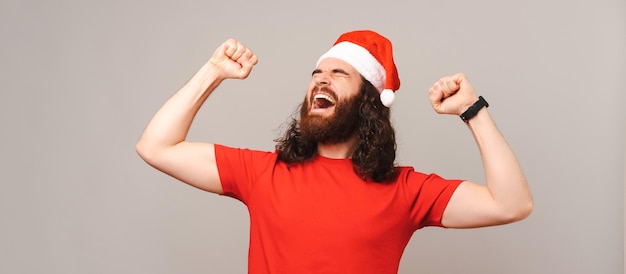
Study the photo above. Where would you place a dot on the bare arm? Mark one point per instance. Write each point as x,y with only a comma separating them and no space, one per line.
163,142
506,196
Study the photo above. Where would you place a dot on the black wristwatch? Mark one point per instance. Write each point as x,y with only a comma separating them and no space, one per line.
473,109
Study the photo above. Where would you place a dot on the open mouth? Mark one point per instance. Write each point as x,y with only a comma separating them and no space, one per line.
323,101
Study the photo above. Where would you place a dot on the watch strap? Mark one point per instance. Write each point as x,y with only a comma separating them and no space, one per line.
473,109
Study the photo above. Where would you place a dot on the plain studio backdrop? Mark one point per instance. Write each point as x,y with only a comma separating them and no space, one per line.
80,80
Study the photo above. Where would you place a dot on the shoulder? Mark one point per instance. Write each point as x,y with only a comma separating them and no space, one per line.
244,157
407,175
227,150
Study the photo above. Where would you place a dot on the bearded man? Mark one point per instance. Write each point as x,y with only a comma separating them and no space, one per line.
330,198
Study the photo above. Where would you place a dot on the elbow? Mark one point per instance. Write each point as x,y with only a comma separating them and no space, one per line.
144,151
525,211
150,152
521,212
141,150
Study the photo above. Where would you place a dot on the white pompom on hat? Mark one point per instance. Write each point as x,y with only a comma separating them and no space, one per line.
371,55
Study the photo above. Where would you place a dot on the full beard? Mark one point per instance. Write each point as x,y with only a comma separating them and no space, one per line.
336,128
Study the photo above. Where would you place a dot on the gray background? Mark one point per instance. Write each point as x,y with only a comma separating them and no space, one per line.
80,79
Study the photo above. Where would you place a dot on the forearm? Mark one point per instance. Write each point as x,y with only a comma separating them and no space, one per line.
505,179
170,125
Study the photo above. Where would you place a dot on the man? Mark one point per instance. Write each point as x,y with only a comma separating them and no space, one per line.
330,199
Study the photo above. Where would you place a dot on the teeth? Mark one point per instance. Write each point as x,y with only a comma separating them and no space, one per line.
323,96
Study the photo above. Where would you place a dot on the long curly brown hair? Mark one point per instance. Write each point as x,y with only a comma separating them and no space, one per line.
375,153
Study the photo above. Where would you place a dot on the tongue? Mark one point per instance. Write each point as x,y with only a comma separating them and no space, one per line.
323,103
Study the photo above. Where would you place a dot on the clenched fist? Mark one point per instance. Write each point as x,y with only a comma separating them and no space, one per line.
452,95
233,60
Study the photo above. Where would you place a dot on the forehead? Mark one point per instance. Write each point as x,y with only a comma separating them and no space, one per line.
334,63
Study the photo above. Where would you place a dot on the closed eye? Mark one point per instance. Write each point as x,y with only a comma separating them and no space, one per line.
334,71
340,71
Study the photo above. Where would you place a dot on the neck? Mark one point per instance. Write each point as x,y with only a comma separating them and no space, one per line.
339,150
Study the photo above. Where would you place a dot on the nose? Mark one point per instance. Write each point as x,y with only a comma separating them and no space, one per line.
321,79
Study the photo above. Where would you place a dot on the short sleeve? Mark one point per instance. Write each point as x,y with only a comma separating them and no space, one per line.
239,169
427,195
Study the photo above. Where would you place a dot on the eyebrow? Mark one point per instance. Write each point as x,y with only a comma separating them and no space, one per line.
341,71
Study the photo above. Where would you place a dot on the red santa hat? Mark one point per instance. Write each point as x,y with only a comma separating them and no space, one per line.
371,55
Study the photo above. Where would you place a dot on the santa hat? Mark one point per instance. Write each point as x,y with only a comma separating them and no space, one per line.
371,55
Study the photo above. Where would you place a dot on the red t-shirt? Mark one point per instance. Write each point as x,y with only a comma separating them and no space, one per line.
320,217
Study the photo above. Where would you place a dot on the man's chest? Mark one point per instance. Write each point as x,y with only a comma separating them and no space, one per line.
328,202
